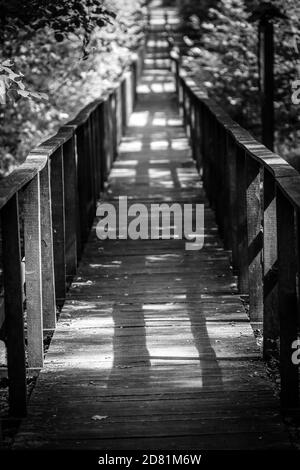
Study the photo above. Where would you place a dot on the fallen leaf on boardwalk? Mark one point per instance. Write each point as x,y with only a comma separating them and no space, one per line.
98,417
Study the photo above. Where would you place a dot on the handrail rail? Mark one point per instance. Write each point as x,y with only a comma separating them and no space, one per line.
57,187
256,197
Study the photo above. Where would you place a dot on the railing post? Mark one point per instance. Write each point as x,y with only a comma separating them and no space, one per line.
33,272
58,224
208,143
242,236
219,191
255,240
13,304
110,131
198,137
231,152
48,281
124,105
103,162
99,132
96,117
287,295
129,95
184,108
270,282
81,189
89,161
225,204
180,97
204,145
119,115
114,124
105,138
70,178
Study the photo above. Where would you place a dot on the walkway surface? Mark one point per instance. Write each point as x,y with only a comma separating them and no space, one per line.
154,349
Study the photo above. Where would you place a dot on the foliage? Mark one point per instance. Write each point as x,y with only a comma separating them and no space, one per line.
20,21
21,18
70,72
226,59
189,9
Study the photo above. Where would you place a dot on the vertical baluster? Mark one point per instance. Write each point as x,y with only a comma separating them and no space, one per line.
119,115
58,224
226,189
98,150
270,281
70,178
104,170
33,272
48,281
91,202
124,105
255,240
242,236
13,304
82,169
287,296
233,195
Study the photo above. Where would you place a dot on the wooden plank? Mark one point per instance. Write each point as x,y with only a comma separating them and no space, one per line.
13,298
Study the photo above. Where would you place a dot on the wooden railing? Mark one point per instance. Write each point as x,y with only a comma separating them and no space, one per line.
57,189
256,198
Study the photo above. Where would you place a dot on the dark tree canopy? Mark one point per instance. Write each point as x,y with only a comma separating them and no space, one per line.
64,17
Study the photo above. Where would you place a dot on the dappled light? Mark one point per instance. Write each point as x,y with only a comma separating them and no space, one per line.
133,146
139,119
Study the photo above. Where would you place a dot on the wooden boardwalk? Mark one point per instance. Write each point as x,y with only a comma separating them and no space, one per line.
154,349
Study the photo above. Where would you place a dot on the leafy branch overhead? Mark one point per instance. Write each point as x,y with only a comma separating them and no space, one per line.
64,17
69,64
21,20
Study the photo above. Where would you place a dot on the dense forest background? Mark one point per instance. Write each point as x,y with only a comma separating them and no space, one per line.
226,57
57,56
